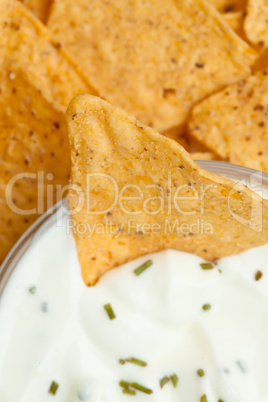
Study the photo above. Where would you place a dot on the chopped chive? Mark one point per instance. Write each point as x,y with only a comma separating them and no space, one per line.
133,360
124,384
141,388
258,275
207,265
129,391
45,307
138,362
174,380
241,366
32,290
201,372
204,398
164,381
143,267
206,307
53,388
109,311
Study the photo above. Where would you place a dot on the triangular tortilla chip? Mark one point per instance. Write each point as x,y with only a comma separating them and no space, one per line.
154,61
112,151
40,8
256,22
234,122
33,141
35,52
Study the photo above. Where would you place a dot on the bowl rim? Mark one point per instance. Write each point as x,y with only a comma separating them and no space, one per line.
22,245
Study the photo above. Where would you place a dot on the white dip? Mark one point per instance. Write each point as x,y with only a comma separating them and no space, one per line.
62,333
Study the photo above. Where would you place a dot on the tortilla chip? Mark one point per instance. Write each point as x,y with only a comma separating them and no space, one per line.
234,122
33,140
154,61
229,6
204,156
40,8
111,150
256,22
46,64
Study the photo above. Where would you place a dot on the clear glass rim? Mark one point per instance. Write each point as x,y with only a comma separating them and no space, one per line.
24,243
18,250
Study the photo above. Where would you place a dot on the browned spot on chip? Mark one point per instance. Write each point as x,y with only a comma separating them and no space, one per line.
169,92
199,65
228,6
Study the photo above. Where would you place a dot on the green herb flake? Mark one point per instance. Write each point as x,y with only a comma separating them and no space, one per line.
138,362
206,307
110,312
124,384
201,373
141,388
129,391
53,388
45,307
122,361
241,366
174,380
204,398
207,265
143,267
258,275
33,290
220,400
164,381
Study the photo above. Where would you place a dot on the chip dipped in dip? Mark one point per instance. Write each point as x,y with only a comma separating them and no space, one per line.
165,327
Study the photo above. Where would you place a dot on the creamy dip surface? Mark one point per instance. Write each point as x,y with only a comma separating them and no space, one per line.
175,316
